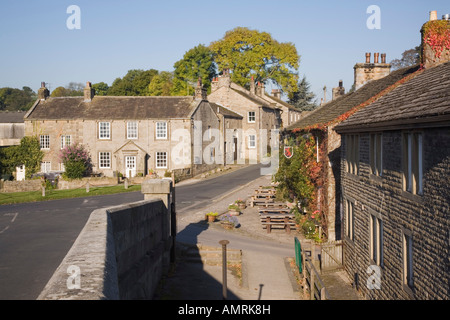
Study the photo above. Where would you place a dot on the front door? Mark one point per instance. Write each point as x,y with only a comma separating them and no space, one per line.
130,166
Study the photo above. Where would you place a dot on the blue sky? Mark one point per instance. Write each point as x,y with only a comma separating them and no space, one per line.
116,36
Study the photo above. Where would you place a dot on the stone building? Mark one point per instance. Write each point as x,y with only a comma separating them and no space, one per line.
11,128
321,122
259,116
395,174
128,135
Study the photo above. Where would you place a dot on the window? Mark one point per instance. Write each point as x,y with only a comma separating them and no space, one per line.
65,141
46,166
132,130
62,167
161,160
44,141
412,163
376,154
350,219
104,130
251,116
376,239
161,130
352,154
104,160
252,141
407,259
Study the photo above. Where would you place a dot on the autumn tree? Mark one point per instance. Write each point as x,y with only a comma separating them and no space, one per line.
248,52
196,63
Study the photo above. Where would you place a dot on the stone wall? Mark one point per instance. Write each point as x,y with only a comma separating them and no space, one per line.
121,253
425,216
21,186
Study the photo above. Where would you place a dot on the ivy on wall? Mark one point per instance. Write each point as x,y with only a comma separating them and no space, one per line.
436,34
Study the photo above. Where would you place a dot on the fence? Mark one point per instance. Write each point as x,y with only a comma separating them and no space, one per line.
312,282
331,258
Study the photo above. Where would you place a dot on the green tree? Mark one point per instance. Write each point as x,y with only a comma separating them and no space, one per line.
198,62
248,52
303,99
134,83
12,99
161,84
101,88
77,161
59,92
28,153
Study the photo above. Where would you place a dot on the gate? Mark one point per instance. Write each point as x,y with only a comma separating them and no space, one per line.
331,256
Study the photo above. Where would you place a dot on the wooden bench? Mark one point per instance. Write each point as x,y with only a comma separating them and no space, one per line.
269,210
277,221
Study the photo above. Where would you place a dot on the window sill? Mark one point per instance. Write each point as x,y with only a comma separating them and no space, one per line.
413,197
408,290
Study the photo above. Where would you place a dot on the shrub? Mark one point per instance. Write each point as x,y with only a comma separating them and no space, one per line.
77,161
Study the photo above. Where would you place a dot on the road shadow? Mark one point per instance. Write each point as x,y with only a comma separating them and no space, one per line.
189,277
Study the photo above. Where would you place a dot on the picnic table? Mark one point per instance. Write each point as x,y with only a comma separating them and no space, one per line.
277,221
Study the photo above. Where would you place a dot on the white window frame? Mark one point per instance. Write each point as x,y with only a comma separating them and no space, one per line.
413,162
104,160
161,130
66,140
132,130
252,141
161,160
46,166
44,141
104,130
251,115
376,154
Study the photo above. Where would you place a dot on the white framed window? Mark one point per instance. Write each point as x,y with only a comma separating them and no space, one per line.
44,141
104,160
161,160
66,140
407,244
132,130
350,219
104,130
251,117
413,162
252,141
46,166
376,239
161,130
376,154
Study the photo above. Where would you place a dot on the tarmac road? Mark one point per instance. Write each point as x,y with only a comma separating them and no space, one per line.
35,237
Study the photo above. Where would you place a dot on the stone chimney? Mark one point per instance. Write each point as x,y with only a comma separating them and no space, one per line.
276,93
339,91
214,84
366,72
435,46
252,86
200,92
260,90
43,92
88,92
225,79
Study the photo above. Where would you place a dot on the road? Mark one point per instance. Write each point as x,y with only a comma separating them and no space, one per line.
35,237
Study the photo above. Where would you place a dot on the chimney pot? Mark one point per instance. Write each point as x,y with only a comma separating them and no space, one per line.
383,58
367,57
433,15
375,57
42,84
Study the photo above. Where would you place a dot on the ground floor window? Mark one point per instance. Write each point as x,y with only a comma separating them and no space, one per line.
161,160
104,159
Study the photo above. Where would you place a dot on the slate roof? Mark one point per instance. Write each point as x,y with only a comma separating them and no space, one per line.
423,99
254,98
341,105
113,108
225,111
12,116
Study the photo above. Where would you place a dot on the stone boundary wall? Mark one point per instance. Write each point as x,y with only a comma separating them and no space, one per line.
20,186
121,253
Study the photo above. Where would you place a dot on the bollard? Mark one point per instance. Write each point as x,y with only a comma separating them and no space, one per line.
87,187
126,183
43,191
224,267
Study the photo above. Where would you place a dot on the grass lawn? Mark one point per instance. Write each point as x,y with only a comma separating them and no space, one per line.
33,196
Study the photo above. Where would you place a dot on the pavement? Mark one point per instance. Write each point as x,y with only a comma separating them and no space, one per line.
267,268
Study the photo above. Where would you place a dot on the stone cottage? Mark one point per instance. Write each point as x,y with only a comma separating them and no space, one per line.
259,116
395,174
320,124
128,135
